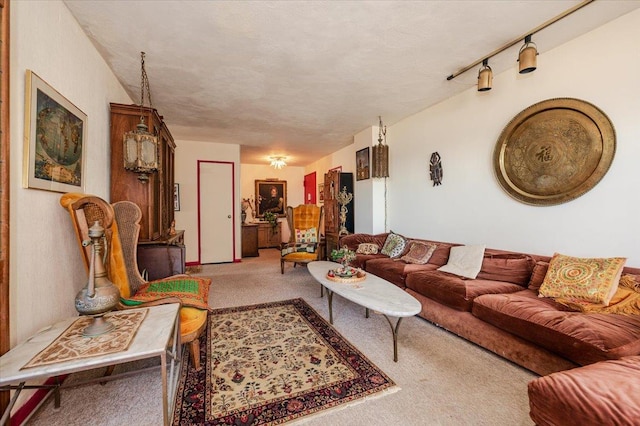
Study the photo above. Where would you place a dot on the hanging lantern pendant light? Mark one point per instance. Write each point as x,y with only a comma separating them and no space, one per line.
140,146
380,154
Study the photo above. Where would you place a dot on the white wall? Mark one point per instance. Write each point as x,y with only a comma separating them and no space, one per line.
471,207
46,267
188,153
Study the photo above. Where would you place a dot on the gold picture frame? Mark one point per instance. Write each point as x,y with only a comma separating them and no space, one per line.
271,195
554,151
55,132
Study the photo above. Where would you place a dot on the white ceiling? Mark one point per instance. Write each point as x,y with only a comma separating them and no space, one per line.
300,78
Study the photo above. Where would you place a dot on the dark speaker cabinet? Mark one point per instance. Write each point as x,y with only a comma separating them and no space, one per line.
334,182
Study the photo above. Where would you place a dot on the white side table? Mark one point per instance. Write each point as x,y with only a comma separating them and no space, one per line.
157,336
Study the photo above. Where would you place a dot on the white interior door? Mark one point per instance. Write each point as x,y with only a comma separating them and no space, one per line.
215,204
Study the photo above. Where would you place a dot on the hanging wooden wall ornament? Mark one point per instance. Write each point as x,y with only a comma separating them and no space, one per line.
435,169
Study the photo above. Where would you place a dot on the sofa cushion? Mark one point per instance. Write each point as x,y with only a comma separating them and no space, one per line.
513,268
465,261
580,337
394,270
419,252
367,248
353,240
453,291
606,393
394,245
538,274
361,260
592,280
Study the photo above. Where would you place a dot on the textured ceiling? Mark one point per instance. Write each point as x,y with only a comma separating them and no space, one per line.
300,78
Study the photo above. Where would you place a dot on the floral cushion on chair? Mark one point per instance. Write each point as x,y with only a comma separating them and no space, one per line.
307,235
299,248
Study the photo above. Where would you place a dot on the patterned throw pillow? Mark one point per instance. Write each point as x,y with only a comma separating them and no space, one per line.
394,245
465,261
307,235
592,280
367,248
419,253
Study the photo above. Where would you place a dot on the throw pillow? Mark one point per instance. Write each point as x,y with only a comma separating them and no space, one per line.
538,274
394,245
465,261
419,253
592,280
307,235
367,248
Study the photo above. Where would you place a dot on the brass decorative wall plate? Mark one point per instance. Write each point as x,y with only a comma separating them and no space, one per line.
554,151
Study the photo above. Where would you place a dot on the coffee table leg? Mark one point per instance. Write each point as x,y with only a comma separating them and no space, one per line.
366,312
394,331
330,299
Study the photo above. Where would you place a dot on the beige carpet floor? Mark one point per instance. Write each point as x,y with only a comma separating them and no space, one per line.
443,379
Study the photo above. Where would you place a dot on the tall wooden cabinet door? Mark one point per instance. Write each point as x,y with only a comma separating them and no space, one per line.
150,196
331,217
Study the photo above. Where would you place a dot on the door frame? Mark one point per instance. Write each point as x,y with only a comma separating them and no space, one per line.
233,207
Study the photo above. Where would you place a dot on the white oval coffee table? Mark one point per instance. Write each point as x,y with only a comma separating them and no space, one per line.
372,293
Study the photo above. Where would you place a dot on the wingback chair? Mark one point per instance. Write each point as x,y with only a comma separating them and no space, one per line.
121,222
304,243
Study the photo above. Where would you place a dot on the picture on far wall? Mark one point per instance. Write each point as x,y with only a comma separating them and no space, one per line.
336,169
176,197
55,134
362,164
271,196
321,193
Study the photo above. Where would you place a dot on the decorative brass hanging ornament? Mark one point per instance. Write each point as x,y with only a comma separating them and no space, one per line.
554,151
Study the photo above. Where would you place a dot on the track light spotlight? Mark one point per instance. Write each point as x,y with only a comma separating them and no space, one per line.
485,76
527,56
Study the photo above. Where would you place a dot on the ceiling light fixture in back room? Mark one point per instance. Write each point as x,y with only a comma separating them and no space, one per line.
278,162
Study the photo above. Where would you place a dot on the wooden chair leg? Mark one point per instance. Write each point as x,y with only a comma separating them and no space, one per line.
194,348
281,266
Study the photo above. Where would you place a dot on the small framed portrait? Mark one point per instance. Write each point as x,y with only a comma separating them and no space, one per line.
321,193
271,196
176,197
55,139
362,164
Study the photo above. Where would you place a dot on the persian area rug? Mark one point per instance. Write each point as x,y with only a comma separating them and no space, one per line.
272,363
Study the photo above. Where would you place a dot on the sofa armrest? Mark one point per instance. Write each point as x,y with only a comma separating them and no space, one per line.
597,394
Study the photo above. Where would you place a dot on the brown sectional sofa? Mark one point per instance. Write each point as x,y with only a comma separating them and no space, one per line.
500,310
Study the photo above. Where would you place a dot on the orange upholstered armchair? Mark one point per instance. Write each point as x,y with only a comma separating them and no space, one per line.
304,244
121,222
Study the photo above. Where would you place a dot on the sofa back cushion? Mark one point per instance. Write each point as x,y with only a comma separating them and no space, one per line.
513,268
538,274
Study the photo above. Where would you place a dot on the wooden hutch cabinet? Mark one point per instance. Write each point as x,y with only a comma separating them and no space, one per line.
154,197
334,182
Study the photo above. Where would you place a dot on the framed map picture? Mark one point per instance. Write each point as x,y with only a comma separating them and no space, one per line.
55,134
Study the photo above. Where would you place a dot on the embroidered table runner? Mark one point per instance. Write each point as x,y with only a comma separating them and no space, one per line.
72,345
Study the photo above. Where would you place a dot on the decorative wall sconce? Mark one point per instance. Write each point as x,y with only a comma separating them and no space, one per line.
380,164
140,146
278,162
527,56
485,77
528,52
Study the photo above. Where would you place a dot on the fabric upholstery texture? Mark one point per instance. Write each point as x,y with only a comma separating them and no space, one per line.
580,337
594,395
626,301
453,291
419,252
465,261
538,274
393,270
394,245
511,268
592,280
